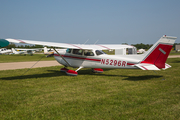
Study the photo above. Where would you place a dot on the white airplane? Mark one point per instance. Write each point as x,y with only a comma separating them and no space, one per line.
33,50
48,51
5,51
141,51
22,52
92,56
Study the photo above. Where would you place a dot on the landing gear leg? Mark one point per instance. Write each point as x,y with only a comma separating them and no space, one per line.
79,68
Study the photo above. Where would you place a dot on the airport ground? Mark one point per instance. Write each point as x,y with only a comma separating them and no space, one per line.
47,93
35,64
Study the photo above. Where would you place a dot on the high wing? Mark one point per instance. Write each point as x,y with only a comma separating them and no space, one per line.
72,46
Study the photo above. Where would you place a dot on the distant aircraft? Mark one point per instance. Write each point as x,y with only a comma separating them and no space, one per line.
25,49
48,51
5,51
17,52
92,56
22,52
141,51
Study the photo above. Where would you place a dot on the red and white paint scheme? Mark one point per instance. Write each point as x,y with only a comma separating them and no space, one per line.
92,56
97,70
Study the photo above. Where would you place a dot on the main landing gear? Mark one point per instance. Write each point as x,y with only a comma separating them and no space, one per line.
97,70
69,72
74,73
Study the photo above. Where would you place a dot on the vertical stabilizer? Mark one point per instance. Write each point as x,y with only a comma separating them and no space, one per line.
13,50
158,53
45,50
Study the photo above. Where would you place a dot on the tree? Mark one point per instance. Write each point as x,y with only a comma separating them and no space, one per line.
142,46
11,45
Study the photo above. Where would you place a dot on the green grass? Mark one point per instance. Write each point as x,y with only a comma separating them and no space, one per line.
46,93
174,53
22,58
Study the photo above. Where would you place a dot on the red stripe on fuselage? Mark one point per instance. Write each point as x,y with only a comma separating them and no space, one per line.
75,57
130,63
90,59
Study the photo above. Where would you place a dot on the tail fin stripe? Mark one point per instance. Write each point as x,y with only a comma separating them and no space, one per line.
162,51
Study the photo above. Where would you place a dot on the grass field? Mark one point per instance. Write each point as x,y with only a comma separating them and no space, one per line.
46,93
174,53
22,58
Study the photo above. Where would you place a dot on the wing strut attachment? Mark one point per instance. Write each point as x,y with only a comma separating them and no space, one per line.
61,57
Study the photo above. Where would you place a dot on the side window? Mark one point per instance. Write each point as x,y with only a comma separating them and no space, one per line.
68,50
77,51
99,52
88,53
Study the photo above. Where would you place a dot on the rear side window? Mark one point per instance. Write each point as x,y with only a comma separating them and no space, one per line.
77,51
88,53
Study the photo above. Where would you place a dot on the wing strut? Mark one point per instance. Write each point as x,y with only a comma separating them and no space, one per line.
61,56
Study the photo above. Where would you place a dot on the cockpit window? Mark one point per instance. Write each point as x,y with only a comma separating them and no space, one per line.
99,52
68,50
77,51
88,53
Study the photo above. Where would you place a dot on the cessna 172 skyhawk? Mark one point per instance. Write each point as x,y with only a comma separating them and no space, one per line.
92,56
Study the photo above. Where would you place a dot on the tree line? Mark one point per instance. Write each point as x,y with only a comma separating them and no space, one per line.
12,45
142,46
147,46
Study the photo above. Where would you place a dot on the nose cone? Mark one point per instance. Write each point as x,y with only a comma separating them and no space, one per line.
3,43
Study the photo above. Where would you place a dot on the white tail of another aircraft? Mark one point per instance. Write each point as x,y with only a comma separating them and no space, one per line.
156,56
45,50
14,51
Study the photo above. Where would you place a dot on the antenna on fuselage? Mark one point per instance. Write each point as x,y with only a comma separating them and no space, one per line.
96,41
86,41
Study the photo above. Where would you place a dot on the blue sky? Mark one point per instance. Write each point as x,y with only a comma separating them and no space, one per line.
76,21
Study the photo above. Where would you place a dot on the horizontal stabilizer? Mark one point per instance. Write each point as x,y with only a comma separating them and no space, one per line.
147,66
166,66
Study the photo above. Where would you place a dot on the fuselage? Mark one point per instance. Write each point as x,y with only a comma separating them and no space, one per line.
4,50
95,59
